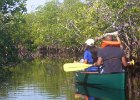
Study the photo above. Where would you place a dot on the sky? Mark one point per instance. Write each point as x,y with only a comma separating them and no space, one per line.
33,4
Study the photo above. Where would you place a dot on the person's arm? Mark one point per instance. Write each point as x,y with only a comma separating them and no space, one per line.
99,62
85,61
85,57
118,39
124,62
100,59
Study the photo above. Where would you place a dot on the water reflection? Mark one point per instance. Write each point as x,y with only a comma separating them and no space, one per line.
93,93
46,80
37,80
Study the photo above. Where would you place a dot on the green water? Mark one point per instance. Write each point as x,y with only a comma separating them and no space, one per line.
38,80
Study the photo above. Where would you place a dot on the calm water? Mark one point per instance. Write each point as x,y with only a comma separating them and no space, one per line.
43,80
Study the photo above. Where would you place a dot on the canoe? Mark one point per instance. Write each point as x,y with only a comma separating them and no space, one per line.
111,80
99,93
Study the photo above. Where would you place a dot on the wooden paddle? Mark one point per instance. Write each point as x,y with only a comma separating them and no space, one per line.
81,66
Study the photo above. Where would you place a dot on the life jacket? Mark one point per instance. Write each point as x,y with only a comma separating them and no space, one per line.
110,43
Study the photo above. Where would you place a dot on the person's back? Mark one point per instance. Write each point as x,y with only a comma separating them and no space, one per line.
112,58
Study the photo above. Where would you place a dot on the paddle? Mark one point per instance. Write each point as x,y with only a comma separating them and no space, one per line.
75,66
81,66
132,62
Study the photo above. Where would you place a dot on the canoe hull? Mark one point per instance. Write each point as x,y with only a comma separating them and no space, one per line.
102,93
113,80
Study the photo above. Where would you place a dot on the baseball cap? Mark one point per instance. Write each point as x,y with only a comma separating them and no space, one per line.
90,42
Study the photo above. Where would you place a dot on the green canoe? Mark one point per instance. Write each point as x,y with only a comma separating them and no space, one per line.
113,80
100,93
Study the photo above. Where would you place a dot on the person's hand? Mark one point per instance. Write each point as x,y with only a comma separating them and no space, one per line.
116,35
130,63
94,64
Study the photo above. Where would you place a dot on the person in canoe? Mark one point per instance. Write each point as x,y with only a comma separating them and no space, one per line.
111,55
90,55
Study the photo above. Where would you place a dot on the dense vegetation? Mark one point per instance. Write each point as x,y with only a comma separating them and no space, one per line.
11,18
66,24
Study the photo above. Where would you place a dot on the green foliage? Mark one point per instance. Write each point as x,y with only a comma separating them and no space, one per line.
73,21
67,24
10,20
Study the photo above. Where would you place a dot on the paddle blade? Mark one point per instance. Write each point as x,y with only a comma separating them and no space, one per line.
75,66
132,62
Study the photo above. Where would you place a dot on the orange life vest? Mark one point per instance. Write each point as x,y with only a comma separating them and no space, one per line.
110,43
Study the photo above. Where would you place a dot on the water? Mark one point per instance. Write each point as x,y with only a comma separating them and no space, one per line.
38,80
